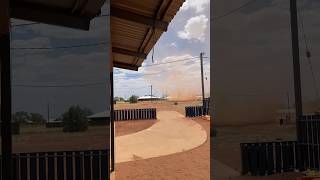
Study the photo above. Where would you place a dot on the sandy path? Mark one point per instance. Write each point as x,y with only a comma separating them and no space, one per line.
171,134
193,164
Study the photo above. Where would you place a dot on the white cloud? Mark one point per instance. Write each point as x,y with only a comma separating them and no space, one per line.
198,5
195,28
173,45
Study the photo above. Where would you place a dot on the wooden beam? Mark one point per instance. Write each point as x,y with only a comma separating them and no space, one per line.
6,95
144,20
125,66
47,15
128,52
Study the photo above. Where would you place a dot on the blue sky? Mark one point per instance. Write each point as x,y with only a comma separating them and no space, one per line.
188,35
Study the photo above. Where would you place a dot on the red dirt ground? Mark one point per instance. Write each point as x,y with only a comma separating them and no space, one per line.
193,164
129,127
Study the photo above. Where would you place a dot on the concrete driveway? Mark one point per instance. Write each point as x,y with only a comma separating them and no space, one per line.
172,134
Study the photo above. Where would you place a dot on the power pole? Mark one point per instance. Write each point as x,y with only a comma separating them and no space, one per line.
151,91
48,111
296,64
202,80
5,61
288,106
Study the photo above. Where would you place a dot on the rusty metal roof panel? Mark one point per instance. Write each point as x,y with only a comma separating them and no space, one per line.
136,26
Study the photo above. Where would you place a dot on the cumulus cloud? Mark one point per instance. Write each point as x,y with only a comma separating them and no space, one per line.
198,5
194,28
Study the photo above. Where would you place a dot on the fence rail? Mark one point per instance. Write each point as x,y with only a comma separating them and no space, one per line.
135,114
63,165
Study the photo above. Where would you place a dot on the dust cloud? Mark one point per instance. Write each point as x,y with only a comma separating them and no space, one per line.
180,81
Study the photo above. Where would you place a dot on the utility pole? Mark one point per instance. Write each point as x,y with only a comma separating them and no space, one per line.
6,134
296,64
202,80
48,111
288,106
151,91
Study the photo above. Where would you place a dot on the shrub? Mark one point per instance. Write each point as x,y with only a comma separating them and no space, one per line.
20,117
133,99
75,119
37,118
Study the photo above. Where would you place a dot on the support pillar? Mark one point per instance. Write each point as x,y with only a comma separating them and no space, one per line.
6,137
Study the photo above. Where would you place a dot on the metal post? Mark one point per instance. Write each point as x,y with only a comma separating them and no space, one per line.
288,107
48,111
296,64
112,122
202,81
151,92
6,136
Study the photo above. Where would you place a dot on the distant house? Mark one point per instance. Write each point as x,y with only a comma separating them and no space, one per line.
100,118
149,98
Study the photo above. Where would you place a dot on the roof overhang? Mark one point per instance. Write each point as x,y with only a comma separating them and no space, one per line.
68,13
136,26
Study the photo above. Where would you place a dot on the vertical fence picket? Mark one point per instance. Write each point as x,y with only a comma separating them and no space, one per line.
33,165
42,166
79,165
262,158
270,158
278,157
95,165
15,165
244,159
104,165
24,166
69,165
51,166
87,165
60,165
253,154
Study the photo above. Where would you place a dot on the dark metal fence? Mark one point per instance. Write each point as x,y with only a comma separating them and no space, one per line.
135,114
194,111
265,158
63,165
273,157
309,141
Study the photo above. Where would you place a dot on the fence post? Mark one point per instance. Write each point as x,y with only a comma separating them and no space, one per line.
69,165
244,159
23,166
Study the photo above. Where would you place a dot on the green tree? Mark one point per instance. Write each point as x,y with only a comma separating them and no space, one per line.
75,119
133,99
37,118
20,117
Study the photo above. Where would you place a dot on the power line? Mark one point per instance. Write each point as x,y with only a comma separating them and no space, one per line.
180,60
308,52
234,10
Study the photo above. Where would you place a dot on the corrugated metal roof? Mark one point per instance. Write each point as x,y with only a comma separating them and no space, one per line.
136,26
